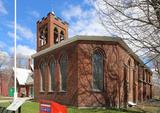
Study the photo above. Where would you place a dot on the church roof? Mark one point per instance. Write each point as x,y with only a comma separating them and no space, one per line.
92,38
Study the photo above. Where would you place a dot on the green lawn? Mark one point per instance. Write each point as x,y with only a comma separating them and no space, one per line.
28,107
75,110
33,107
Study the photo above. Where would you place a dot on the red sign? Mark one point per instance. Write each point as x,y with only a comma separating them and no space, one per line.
51,107
45,108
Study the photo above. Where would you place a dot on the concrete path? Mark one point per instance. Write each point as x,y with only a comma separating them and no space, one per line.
4,101
10,99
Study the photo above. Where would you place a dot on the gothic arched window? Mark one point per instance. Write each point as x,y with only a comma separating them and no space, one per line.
63,72
42,76
55,35
52,76
129,75
44,35
97,68
61,36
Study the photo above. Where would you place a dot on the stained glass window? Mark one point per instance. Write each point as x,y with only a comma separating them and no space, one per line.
63,72
52,76
42,82
97,63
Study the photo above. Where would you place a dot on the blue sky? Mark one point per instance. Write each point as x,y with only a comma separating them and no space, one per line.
80,15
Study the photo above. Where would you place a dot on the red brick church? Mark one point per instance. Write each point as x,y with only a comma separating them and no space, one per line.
86,71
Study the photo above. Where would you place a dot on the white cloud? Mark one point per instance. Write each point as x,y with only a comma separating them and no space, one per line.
23,50
4,58
72,12
3,54
83,22
11,34
88,2
2,8
22,31
2,45
34,14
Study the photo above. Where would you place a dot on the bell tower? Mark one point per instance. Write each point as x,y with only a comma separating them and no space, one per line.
51,30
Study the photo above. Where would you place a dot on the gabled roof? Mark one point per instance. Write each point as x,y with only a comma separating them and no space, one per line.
92,38
30,80
24,76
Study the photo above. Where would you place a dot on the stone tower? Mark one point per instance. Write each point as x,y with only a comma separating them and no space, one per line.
51,30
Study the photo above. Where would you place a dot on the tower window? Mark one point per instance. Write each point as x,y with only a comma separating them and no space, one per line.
55,35
61,36
43,36
97,64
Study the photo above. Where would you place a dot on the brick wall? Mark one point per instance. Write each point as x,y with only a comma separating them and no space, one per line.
79,76
69,97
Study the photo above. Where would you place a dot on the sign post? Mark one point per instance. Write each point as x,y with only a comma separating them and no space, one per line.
16,105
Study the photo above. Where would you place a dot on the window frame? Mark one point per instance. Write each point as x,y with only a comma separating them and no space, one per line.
62,35
55,32
52,61
43,32
103,81
60,73
42,77
129,63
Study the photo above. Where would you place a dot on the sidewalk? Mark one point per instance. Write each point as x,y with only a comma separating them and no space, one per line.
5,101
10,99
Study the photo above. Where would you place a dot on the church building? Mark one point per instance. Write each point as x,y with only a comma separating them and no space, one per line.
86,71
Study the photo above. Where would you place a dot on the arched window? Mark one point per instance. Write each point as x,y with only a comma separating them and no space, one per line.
129,75
125,84
61,36
97,65
63,72
44,35
42,77
52,76
41,39
55,35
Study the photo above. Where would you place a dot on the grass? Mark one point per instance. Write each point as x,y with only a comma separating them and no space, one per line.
150,109
115,110
33,107
28,107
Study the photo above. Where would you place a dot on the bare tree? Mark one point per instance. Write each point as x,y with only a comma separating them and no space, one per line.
4,59
22,61
7,62
137,22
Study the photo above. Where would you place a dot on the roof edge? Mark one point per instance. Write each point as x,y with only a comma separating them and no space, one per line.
93,38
